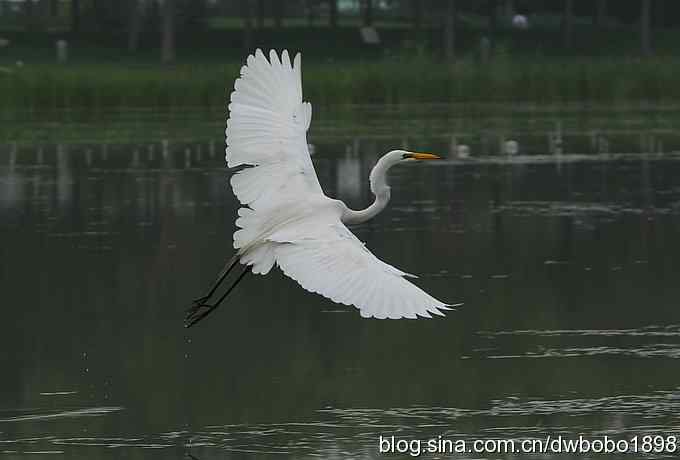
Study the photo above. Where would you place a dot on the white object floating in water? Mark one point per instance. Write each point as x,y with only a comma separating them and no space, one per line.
4,43
519,21
453,145
602,145
511,147
463,151
555,262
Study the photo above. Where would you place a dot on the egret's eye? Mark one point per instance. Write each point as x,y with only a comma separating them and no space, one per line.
405,156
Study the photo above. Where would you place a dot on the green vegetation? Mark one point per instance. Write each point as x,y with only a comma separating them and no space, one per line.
389,80
602,65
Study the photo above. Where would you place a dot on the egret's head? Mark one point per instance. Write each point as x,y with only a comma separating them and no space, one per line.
394,157
397,156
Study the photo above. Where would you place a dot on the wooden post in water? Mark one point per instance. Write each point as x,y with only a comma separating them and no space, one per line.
12,156
165,154
64,176
453,146
134,163
555,145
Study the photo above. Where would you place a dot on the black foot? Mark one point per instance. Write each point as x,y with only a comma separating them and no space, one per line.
197,312
200,300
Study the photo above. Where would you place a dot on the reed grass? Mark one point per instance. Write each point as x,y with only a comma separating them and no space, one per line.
393,80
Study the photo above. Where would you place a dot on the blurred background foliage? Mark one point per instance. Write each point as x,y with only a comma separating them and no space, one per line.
182,53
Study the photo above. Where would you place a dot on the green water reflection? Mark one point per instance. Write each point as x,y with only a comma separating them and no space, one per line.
568,271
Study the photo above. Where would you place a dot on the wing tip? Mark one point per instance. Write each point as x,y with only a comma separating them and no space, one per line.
452,306
259,54
426,313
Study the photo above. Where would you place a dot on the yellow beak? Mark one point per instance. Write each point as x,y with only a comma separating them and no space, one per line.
424,156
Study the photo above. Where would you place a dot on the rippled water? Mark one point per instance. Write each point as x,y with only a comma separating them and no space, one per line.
567,267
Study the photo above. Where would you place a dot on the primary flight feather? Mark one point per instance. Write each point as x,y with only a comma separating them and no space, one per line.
286,219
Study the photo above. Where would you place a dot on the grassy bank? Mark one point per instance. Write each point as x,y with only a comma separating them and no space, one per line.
43,87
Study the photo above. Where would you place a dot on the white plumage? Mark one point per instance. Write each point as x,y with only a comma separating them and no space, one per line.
287,220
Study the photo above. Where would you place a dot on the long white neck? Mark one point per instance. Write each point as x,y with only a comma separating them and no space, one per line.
379,187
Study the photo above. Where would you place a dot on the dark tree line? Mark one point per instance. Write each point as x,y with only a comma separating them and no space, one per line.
163,19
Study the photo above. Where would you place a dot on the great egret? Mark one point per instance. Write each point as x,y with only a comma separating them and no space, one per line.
286,218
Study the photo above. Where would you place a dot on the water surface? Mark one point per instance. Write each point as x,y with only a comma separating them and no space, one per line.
567,268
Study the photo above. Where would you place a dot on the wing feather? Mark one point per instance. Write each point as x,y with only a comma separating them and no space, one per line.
267,130
329,260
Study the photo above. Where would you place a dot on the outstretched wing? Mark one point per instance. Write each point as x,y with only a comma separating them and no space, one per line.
267,130
326,258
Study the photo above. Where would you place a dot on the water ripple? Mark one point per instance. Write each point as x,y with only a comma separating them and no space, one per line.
660,350
644,342
111,442
671,330
88,412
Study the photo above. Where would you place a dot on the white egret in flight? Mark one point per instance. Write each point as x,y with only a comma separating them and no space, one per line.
286,218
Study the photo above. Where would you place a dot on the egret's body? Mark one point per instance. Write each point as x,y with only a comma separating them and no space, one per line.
286,219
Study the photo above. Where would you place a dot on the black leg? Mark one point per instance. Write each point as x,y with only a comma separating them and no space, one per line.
201,310
223,274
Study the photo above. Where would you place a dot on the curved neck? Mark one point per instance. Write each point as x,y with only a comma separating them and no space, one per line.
380,189
351,216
